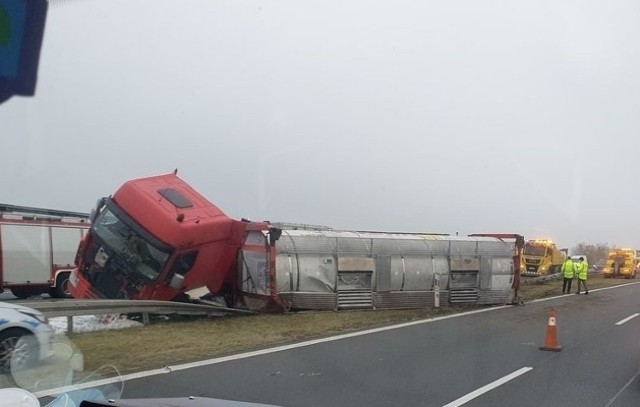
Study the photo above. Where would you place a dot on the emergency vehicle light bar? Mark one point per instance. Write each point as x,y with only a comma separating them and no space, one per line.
541,241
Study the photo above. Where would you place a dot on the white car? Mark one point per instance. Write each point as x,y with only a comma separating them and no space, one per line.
16,322
576,258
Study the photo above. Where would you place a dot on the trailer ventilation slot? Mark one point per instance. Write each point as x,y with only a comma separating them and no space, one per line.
463,296
350,299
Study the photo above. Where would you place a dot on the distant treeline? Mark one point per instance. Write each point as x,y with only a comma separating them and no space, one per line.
596,253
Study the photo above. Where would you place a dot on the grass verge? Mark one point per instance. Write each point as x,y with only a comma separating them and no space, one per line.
154,346
551,288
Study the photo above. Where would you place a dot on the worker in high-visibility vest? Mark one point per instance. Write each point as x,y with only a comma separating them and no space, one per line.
582,268
568,271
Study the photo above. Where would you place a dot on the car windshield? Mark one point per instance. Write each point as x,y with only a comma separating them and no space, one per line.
325,203
535,250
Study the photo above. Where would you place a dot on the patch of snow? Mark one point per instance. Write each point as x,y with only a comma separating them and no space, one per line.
89,323
197,292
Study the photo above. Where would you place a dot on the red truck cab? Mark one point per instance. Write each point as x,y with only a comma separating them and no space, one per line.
156,238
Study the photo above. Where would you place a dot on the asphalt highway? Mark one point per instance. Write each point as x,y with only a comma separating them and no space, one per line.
489,358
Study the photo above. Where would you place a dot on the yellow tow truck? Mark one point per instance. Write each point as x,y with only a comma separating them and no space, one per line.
621,263
541,257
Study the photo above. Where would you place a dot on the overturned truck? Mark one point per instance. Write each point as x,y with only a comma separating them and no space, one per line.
157,238
340,270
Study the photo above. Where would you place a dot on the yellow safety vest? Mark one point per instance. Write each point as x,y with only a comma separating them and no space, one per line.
568,269
583,268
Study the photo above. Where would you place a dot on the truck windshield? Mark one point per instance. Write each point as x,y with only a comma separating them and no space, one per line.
128,247
535,250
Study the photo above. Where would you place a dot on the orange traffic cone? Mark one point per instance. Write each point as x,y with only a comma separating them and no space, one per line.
551,339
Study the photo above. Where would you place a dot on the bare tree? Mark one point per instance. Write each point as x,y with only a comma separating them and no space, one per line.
596,253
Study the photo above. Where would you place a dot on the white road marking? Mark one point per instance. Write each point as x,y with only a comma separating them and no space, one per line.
627,319
546,299
591,291
614,398
476,393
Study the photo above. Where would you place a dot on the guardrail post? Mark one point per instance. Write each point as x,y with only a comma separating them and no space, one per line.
145,318
436,290
70,324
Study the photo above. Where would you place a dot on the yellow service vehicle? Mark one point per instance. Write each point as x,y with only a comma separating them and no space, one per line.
621,263
541,257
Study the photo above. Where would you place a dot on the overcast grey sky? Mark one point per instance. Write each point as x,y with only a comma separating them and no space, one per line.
442,116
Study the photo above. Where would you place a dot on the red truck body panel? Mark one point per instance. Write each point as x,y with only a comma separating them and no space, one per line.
168,209
203,222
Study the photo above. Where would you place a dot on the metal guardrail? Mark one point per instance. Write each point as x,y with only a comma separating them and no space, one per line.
526,280
71,308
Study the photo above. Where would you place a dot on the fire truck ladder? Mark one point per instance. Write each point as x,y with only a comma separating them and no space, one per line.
28,210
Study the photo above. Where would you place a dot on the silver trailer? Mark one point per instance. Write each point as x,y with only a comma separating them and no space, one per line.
330,270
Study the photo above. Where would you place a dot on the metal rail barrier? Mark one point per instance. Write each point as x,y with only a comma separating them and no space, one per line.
540,279
557,276
71,308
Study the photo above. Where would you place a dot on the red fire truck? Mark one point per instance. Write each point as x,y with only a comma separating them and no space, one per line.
37,249
157,238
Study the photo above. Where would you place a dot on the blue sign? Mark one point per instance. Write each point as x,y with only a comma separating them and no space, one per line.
21,30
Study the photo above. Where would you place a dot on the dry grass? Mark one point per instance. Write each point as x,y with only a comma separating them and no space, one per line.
157,345
154,346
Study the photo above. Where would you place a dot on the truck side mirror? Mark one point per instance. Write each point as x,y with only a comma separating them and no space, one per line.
177,281
97,209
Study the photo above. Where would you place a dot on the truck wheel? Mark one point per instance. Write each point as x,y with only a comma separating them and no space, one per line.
18,349
25,292
61,290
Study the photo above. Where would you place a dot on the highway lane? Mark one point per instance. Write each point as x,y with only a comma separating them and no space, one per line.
600,362
441,362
